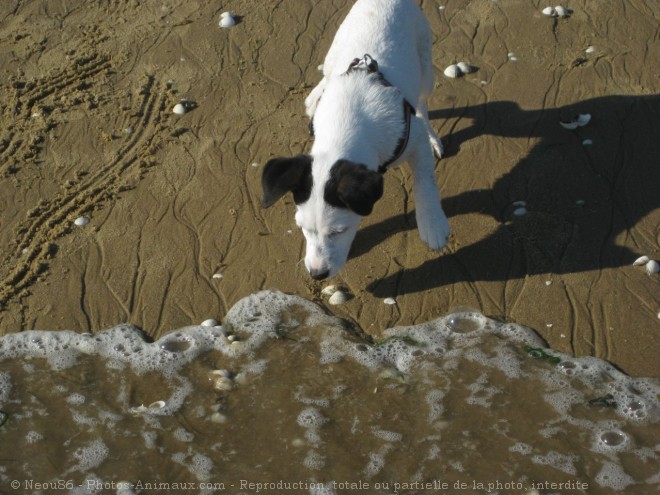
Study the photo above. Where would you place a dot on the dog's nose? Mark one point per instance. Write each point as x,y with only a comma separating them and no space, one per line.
319,274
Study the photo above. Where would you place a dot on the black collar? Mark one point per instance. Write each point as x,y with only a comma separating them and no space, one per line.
371,66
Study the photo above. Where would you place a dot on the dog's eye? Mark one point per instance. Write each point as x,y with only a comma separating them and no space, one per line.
336,233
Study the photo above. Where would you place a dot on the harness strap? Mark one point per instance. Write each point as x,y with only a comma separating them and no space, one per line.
408,111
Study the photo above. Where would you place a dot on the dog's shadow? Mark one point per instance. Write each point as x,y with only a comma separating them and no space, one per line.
580,196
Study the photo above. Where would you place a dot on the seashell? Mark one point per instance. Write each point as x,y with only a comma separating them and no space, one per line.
218,417
519,203
223,384
642,260
464,67
81,221
227,20
652,267
583,119
389,300
159,404
329,290
590,49
453,71
232,338
549,11
210,323
223,373
519,212
571,126
179,109
562,11
136,411
339,297
587,142
222,380
218,276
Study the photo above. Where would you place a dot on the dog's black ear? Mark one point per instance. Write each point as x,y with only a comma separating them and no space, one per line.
282,175
353,186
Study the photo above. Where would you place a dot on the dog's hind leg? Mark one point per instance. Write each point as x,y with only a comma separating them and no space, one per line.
434,139
424,50
313,98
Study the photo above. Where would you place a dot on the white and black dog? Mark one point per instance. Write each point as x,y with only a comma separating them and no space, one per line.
367,113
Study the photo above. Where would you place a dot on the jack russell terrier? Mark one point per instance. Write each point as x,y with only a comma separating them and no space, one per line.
367,114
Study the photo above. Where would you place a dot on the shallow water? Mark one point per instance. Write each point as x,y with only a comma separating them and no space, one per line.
286,399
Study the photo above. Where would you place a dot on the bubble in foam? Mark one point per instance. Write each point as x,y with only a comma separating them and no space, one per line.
375,465
522,448
90,456
183,435
612,439
560,461
76,399
311,418
388,436
613,476
5,386
33,436
313,460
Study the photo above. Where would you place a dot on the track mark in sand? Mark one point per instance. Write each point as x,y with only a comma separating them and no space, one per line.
30,112
52,219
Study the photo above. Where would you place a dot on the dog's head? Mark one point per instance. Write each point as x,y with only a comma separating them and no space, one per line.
328,206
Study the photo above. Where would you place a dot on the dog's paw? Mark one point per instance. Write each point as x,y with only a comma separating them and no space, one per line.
434,232
436,144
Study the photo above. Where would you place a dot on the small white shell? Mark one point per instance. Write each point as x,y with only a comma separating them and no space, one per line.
590,49
389,300
583,119
224,384
138,410
329,290
519,212
642,260
562,11
227,20
464,67
339,297
218,276
453,71
81,221
520,202
652,267
549,11
571,126
210,323
587,142
179,109
218,417
159,404
223,373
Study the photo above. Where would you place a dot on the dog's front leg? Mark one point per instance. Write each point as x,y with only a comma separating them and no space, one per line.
431,219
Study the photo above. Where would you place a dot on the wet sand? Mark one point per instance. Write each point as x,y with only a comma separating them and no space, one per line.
87,130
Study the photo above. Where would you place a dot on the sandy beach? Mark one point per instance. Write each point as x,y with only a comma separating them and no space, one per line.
176,232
